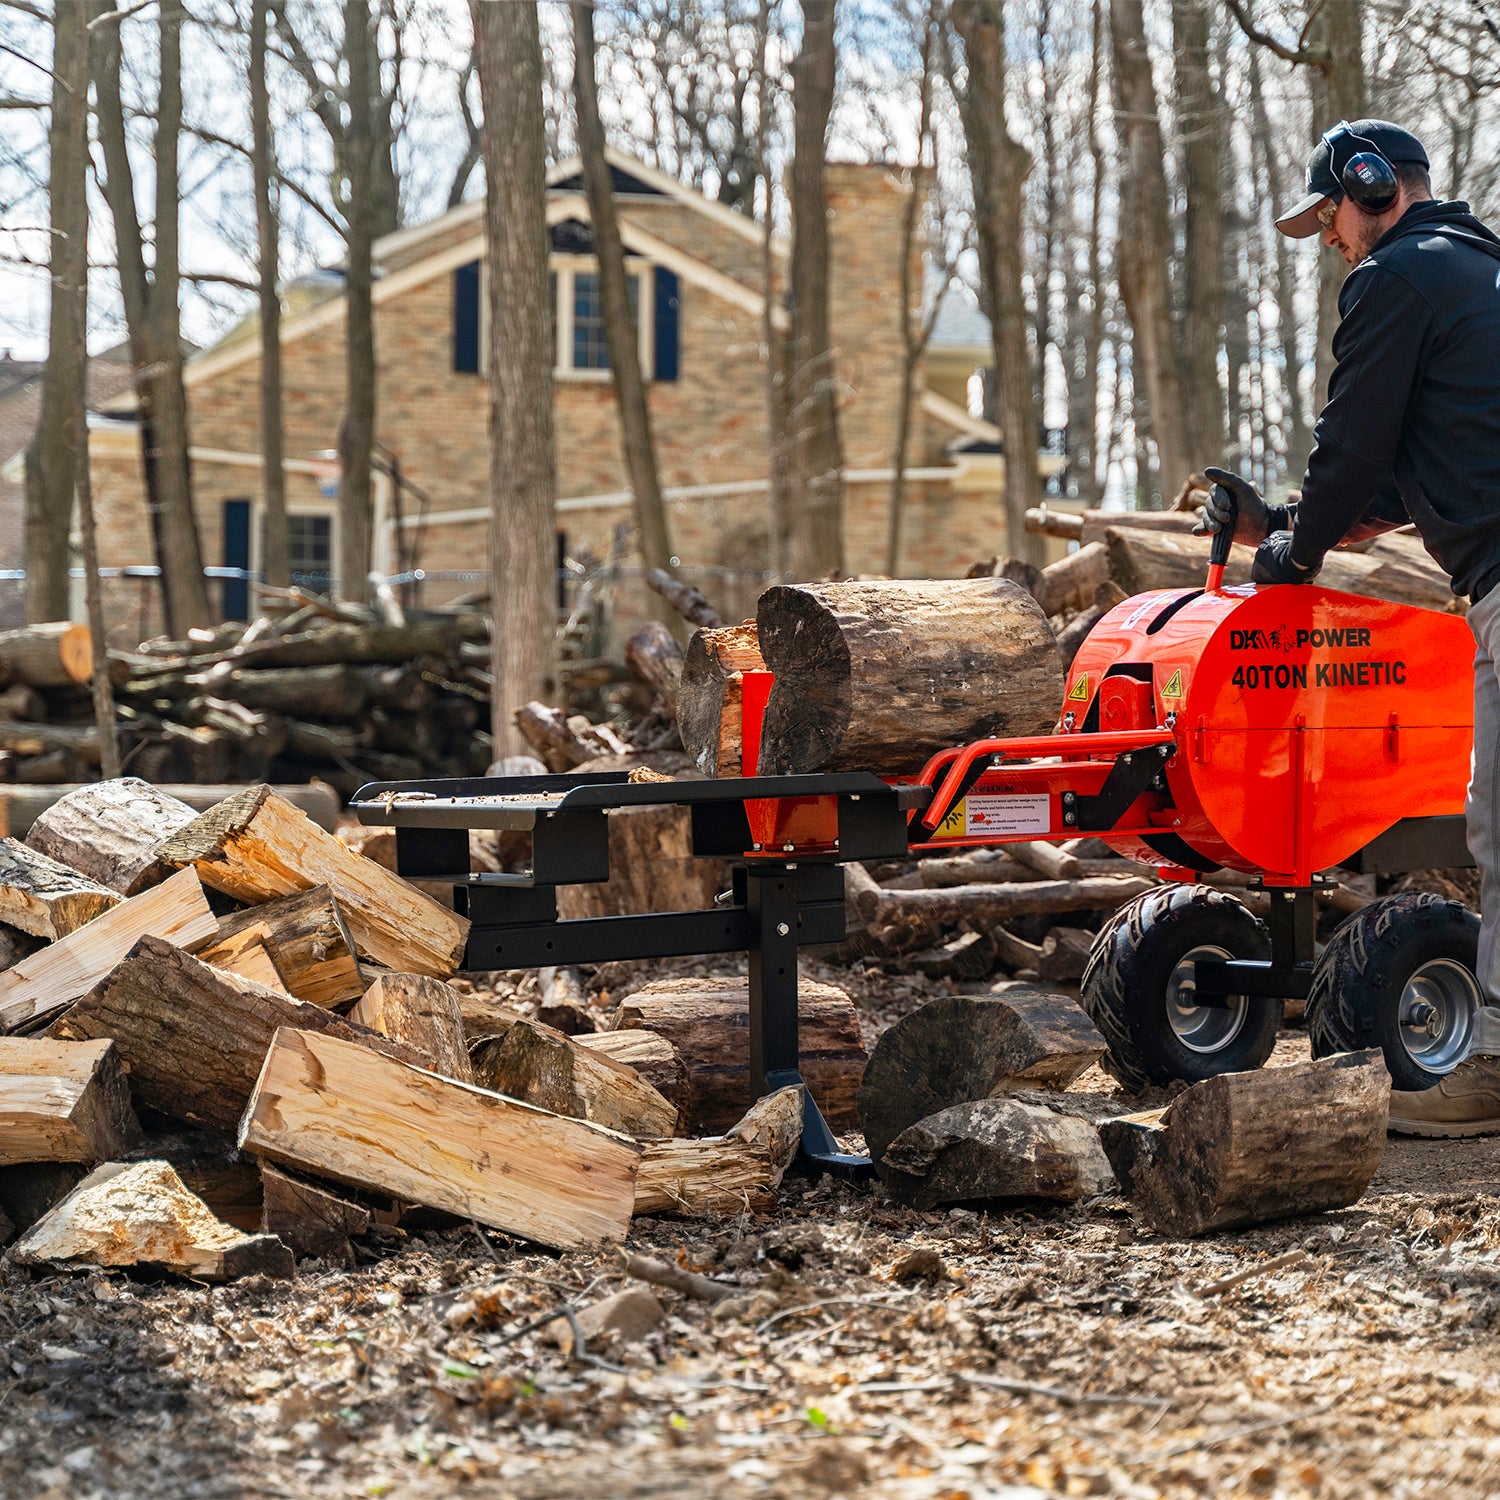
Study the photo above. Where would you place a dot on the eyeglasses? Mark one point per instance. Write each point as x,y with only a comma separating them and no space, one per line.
1326,212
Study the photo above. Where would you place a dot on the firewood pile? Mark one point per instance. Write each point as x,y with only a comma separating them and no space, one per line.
228,1038
325,690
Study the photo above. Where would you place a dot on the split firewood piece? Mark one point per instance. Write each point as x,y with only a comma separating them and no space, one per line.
879,676
63,1101
971,955
707,1022
542,1066
483,1016
995,1148
424,1013
651,1055
310,1220
45,897
1246,1148
726,1174
140,1214
710,697
212,1168
1046,859
59,653
48,980
344,1112
309,943
562,741
111,831
959,1048
256,846
246,954
194,1036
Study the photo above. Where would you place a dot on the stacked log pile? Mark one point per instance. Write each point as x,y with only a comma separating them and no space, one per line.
328,690
227,1039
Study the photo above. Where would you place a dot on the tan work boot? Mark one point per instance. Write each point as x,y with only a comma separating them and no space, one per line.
1466,1102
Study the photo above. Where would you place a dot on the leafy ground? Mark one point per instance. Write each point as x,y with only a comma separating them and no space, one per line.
869,1350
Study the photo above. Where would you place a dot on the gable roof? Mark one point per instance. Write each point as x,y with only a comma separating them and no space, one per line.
566,176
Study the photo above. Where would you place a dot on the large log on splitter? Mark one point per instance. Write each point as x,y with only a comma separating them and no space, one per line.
879,676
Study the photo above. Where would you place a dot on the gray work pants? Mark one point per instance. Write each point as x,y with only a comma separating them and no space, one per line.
1483,806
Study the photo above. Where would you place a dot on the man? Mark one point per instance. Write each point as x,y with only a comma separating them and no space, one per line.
1410,434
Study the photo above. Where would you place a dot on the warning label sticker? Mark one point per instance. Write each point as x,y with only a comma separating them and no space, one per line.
994,813
1079,692
1173,688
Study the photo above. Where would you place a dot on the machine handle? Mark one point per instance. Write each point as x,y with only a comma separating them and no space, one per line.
1218,552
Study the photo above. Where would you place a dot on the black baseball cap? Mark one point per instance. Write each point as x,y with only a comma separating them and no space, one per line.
1331,155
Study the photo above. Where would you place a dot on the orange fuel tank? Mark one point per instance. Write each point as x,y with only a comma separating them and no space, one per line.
1307,721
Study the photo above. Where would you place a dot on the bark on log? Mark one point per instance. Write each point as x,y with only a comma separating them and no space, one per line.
878,676
684,598
78,741
194,1037
652,868
1092,524
175,910
333,692
423,1013
359,645
706,1022
256,846
1046,859
308,942
709,707
22,807
995,1148
560,741
736,1172
140,1214
653,654
960,1048
1069,583
44,896
111,831
909,919
650,1054
309,1220
57,654
1140,560
1246,1148
63,1101
344,1112
541,1066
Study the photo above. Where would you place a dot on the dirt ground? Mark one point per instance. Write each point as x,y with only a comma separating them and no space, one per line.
871,1351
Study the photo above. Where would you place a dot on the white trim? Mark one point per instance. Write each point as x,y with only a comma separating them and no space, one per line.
617,499
951,413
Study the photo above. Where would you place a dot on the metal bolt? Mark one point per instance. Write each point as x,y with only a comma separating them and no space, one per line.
755,848
1070,817
787,848
782,929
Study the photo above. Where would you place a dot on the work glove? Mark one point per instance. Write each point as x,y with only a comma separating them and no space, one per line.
1273,562
1254,520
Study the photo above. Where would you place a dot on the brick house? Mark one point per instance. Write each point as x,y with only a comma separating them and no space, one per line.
697,281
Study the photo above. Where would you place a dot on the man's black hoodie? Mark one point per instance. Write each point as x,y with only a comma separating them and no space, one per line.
1415,398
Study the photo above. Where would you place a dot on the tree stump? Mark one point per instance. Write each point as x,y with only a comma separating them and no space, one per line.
709,705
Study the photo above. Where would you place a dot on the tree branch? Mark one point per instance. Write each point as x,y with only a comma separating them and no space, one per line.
1313,57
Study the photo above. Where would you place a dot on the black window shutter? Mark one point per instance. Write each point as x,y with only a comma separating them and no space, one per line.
466,319
236,599
667,308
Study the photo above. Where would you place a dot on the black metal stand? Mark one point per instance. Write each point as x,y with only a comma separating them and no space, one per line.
777,904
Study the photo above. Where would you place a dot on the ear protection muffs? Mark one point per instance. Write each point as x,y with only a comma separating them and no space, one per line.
1367,177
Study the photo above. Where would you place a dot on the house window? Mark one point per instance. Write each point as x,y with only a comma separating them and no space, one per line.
309,545
580,345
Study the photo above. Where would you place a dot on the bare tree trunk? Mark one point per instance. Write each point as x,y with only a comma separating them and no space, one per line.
817,518
357,430
1047,129
1145,246
152,317
523,528
51,455
1338,93
779,508
620,328
274,566
1198,115
999,165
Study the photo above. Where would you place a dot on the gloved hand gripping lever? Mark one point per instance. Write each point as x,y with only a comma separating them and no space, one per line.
1218,552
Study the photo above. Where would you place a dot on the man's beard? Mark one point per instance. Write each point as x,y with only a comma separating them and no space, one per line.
1367,235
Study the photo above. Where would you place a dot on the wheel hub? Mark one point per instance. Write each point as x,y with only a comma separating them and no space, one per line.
1203,1028
1439,1006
